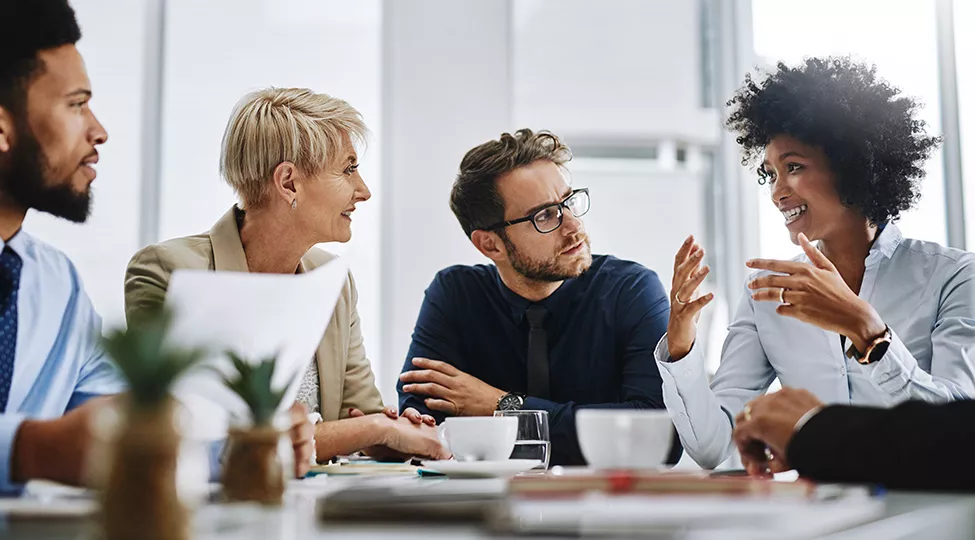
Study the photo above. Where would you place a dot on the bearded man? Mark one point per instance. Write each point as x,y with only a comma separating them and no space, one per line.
547,326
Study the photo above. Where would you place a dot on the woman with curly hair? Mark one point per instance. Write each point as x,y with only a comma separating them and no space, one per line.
863,316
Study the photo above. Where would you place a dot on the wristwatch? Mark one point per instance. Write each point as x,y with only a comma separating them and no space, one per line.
875,351
511,402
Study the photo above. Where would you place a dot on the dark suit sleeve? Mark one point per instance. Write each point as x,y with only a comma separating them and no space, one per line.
916,445
642,312
434,337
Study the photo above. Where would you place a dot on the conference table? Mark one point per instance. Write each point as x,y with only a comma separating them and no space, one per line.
904,516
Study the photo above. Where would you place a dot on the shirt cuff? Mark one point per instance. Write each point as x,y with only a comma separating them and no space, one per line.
806,417
893,372
684,370
215,452
9,424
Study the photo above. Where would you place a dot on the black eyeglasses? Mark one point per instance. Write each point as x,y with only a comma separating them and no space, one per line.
549,218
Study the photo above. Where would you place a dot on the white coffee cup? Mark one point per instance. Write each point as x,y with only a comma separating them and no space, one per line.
624,439
479,438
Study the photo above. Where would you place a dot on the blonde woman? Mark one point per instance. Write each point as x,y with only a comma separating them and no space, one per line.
290,155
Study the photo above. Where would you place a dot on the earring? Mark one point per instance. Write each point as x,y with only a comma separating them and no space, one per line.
294,203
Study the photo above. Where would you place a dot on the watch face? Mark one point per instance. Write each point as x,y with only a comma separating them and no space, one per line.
878,352
510,402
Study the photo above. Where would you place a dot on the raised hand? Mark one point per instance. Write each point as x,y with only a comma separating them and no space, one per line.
816,293
685,301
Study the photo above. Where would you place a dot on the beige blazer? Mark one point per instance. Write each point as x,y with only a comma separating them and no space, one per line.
345,375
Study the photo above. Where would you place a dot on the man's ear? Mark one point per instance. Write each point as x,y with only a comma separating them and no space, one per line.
284,177
6,129
490,245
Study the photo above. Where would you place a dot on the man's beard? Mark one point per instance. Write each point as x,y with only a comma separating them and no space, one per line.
546,271
23,180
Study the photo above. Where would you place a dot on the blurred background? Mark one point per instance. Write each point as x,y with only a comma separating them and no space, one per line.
636,87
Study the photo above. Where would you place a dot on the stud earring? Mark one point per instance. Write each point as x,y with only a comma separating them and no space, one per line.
294,203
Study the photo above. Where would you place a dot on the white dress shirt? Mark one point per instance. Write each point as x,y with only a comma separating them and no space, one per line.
923,291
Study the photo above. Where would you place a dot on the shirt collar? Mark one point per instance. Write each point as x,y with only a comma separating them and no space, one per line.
888,238
554,303
22,244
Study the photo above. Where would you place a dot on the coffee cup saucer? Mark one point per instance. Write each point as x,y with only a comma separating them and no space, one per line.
504,468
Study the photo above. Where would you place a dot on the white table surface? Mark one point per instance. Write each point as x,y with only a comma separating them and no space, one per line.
906,516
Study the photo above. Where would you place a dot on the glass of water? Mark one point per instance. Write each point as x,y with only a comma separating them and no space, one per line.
533,440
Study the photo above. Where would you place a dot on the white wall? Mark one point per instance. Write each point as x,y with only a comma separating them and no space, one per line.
446,88
617,69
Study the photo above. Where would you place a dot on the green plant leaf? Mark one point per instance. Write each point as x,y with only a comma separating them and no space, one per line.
147,363
252,382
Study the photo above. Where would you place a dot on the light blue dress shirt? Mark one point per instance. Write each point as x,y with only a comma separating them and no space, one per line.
58,363
923,291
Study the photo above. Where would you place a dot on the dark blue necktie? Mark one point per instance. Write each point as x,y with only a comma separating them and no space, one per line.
10,266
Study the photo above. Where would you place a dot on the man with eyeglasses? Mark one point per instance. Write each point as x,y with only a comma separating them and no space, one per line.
548,326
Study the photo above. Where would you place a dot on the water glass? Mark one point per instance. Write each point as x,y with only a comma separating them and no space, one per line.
533,441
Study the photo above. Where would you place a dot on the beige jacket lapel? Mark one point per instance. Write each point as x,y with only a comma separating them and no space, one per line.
228,251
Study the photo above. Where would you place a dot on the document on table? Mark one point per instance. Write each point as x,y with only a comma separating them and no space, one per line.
256,316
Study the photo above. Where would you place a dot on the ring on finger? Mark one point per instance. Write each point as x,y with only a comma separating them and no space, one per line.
747,411
782,296
679,301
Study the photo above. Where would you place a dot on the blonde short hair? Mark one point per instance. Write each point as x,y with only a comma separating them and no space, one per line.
275,125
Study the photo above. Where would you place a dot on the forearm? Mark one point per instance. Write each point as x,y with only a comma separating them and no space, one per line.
347,436
36,454
902,448
702,424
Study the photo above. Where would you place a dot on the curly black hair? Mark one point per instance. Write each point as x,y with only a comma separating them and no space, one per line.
26,28
870,133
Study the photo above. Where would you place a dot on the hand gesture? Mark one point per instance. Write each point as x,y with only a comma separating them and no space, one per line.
685,302
816,293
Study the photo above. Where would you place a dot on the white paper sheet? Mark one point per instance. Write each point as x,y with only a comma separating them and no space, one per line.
256,316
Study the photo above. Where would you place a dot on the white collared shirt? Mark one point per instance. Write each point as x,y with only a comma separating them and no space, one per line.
924,292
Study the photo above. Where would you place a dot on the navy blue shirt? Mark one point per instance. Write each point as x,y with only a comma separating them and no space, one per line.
602,330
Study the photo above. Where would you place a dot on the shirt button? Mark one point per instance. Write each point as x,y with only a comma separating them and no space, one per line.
687,372
682,415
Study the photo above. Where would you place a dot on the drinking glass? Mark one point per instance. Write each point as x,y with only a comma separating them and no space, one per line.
533,440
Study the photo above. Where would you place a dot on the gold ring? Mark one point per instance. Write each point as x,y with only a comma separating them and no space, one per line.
781,296
679,301
747,411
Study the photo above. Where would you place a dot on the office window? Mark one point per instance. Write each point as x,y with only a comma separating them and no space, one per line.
965,63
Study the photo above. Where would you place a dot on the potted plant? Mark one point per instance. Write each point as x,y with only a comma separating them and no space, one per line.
139,499
257,455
